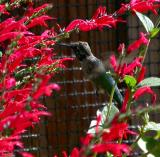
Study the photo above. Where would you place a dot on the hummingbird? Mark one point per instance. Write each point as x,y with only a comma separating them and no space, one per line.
94,69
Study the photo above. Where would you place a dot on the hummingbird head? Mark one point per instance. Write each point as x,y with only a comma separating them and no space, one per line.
81,49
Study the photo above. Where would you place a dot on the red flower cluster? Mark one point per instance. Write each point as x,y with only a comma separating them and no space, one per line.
107,142
142,6
125,68
99,20
26,66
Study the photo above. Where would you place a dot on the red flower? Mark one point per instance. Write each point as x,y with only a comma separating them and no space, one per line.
99,20
3,9
140,6
117,131
9,82
113,62
48,89
121,48
143,90
129,69
26,154
39,21
87,139
115,149
9,35
141,74
125,69
126,98
32,10
7,144
10,25
75,153
136,44
44,88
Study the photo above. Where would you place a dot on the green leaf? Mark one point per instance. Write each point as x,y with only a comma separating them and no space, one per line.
130,81
154,32
152,126
0,53
150,81
147,23
149,144
113,111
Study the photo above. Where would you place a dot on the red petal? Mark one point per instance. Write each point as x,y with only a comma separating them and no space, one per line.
141,74
115,149
126,97
39,21
143,90
113,62
136,44
75,153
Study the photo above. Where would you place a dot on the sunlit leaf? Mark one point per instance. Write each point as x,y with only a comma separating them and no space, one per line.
151,145
103,112
154,32
152,126
130,81
147,23
150,81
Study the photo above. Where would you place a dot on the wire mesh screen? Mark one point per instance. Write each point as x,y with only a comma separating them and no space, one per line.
75,106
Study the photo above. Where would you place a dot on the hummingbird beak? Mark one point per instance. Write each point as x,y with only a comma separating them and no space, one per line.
66,44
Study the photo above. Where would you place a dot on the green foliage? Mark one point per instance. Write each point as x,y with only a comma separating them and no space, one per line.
112,112
147,23
150,81
130,81
0,53
154,32
150,146
152,126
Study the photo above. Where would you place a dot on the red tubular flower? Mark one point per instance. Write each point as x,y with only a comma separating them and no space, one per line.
117,131
44,88
129,69
39,21
10,25
26,154
115,149
126,98
125,69
140,6
136,44
113,62
48,89
32,10
87,139
141,74
3,9
9,82
121,48
75,153
99,20
144,90
20,93
7,144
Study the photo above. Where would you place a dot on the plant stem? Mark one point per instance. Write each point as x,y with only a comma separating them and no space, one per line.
110,102
140,135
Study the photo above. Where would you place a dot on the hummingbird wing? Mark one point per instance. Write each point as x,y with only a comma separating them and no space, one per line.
94,70
107,82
